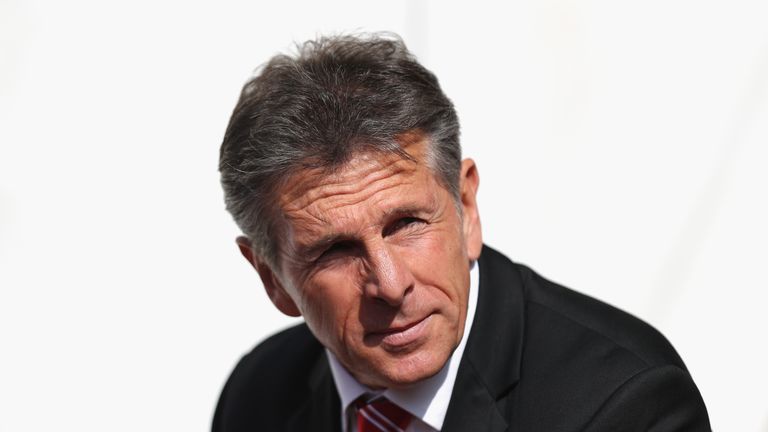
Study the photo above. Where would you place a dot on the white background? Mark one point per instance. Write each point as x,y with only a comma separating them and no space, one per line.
622,149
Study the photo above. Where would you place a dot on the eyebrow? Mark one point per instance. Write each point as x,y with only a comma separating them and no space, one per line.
314,248
405,211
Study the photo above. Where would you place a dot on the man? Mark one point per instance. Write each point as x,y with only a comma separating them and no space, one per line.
342,166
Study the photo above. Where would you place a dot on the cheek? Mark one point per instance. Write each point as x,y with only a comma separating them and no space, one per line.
442,246
330,308
442,264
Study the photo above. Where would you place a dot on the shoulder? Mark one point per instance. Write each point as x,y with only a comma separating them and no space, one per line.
269,379
563,315
585,362
573,313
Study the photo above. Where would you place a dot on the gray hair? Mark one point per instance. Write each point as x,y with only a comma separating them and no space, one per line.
337,96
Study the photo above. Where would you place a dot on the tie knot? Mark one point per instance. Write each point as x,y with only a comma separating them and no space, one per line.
381,415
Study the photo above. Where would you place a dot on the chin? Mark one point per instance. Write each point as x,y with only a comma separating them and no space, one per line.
413,369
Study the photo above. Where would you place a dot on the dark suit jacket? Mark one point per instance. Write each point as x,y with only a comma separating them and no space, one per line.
539,357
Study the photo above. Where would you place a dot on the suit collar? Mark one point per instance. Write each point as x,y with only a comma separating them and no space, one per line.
491,364
495,344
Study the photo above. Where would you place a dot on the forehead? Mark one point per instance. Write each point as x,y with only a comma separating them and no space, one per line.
364,176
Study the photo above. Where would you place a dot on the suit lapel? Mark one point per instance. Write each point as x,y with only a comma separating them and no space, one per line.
321,411
490,366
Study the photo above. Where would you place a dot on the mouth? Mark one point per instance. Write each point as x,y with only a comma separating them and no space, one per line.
399,338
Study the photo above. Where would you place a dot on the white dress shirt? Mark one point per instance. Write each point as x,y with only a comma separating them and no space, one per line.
426,400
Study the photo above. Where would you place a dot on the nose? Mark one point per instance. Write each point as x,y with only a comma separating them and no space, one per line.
390,278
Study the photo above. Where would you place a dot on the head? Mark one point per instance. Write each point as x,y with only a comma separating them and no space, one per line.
342,166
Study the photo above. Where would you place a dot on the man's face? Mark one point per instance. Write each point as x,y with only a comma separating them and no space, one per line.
376,258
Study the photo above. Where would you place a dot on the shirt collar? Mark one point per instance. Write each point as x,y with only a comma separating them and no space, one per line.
427,400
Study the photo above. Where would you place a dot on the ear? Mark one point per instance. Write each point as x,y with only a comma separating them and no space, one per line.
469,181
275,289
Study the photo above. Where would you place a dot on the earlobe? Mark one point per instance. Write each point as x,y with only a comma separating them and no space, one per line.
469,184
276,291
272,284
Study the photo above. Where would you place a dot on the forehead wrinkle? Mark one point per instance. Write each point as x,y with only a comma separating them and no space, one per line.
351,202
322,220
357,176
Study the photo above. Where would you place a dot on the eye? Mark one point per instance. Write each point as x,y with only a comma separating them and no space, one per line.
337,249
402,223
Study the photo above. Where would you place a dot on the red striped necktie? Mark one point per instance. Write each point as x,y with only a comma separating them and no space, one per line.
381,415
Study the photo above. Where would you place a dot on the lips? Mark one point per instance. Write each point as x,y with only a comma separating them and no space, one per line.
401,337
